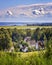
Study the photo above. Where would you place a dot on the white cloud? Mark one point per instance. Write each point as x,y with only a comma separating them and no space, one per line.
9,13
30,11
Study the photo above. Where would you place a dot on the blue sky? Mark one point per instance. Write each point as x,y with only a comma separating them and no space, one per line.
11,3
4,4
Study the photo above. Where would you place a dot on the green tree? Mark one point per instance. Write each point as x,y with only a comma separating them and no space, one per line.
5,39
48,53
16,36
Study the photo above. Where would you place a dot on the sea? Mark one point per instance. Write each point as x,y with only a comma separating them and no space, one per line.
22,23
12,23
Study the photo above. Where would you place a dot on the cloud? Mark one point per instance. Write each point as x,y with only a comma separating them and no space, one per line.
33,11
36,12
9,13
42,11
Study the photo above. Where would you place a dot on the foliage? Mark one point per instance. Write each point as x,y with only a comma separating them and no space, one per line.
48,53
5,40
13,36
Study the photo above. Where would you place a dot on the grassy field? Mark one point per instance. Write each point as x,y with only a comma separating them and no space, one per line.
19,58
25,54
25,27
30,53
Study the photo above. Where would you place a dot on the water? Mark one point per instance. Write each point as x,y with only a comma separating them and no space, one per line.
11,24
15,23
22,23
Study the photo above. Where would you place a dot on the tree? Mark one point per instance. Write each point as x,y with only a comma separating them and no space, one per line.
48,53
36,34
16,35
24,43
5,40
48,33
28,32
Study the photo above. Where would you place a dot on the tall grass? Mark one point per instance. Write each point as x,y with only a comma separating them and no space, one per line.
7,58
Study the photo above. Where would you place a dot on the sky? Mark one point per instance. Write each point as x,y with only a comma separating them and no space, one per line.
11,3
4,4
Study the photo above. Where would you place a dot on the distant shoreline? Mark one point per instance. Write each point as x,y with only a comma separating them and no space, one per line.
24,24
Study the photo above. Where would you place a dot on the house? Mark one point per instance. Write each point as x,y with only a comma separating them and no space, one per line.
41,44
36,46
11,49
23,48
32,43
27,39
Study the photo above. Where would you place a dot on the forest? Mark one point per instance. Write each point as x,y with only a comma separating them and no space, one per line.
13,42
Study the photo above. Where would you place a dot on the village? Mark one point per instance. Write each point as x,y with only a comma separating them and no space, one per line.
37,45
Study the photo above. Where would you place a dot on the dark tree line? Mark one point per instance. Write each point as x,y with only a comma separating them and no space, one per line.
10,36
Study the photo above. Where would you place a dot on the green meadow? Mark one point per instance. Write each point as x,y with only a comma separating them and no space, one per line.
25,27
30,58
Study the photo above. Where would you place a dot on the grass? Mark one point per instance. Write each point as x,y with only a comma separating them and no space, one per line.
19,58
25,27
29,53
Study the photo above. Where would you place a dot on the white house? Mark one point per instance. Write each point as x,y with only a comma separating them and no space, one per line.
11,49
36,46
